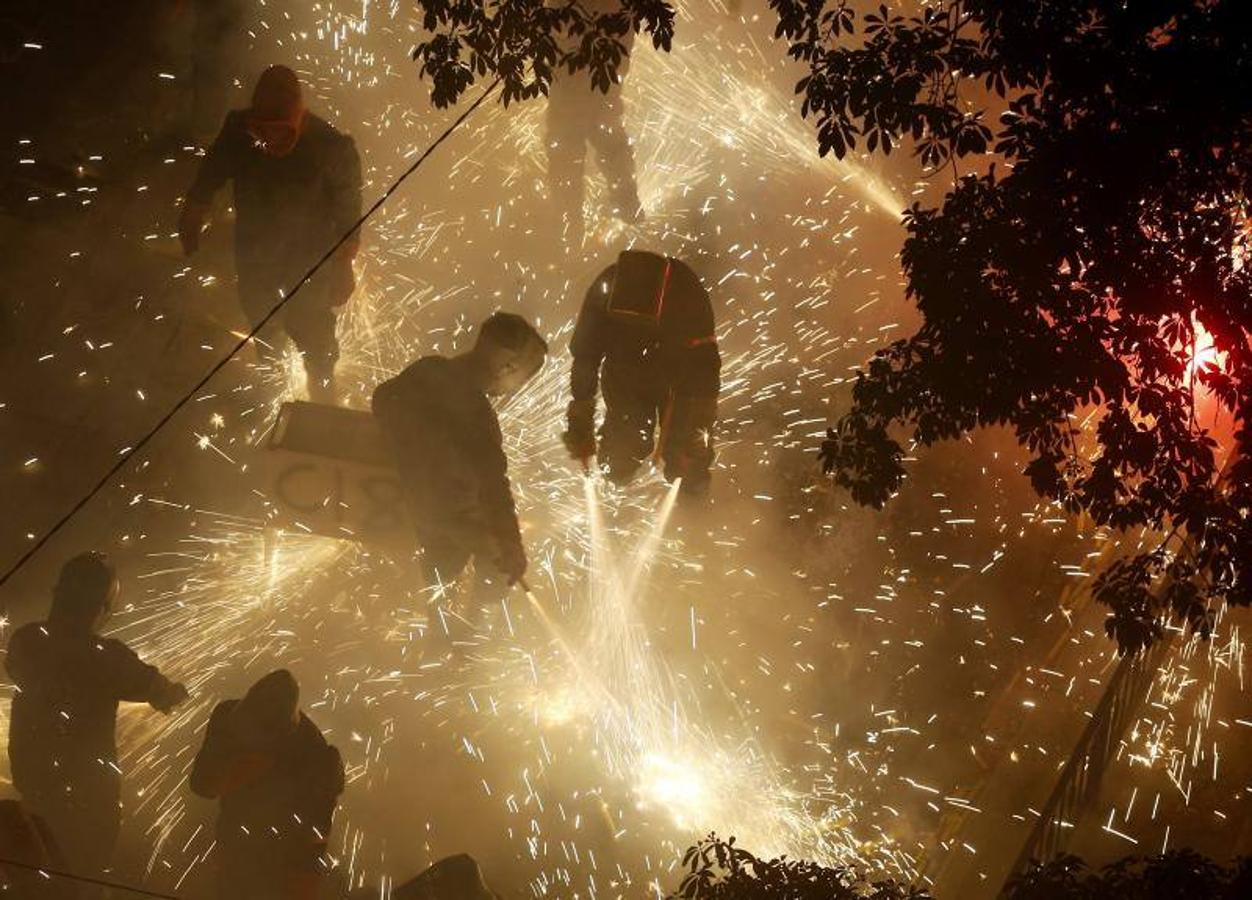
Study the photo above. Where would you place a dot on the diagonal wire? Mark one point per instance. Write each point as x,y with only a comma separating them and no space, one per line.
130,452
99,882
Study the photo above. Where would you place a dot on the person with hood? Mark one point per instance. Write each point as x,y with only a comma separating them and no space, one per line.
63,722
645,335
449,452
277,781
297,185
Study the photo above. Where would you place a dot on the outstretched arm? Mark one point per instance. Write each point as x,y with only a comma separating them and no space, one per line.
135,681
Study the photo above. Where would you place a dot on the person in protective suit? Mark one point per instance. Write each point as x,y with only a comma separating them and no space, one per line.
645,337
63,722
449,452
581,117
297,184
277,781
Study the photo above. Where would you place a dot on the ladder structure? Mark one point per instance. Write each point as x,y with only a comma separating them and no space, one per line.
1079,783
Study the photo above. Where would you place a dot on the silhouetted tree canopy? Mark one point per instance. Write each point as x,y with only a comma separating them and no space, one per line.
1092,248
525,42
719,870
1172,876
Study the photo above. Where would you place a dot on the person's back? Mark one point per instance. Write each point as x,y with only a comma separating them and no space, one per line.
289,799
444,433
449,452
641,318
64,714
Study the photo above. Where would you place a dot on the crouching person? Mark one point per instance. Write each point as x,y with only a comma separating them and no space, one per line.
645,339
277,782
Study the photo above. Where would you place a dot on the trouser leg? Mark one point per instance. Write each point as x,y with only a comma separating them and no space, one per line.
257,297
567,156
627,437
687,442
444,565
310,319
615,155
443,560
85,828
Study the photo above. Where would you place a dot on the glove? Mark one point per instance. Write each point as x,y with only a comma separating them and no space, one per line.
190,224
690,462
581,445
580,437
168,695
511,562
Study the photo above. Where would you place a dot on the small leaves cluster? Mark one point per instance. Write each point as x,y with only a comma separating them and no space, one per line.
719,870
525,43
1179,873
900,80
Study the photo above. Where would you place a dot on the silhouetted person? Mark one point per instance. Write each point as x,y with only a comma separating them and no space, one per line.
297,184
645,337
581,117
277,781
70,680
450,453
452,878
25,838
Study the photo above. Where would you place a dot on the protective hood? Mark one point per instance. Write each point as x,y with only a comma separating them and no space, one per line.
276,118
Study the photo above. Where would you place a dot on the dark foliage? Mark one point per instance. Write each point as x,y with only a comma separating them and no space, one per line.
1077,274
1081,274
719,870
525,42
1179,875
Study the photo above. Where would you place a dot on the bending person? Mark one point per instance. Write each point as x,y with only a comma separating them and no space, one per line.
449,452
277,781
645,338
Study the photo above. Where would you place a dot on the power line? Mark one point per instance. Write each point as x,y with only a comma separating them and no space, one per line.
130,452
99,882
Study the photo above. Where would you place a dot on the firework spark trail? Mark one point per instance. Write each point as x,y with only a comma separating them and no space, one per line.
646,731
709,128
671,742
